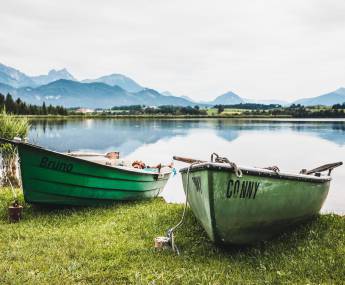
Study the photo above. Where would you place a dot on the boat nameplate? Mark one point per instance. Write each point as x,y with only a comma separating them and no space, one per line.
197,183
243,189
56,164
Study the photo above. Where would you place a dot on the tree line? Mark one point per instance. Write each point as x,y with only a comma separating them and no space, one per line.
248,106
339,106
161,110
300,111
18,107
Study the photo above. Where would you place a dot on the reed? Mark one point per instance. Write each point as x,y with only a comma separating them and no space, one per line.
11,127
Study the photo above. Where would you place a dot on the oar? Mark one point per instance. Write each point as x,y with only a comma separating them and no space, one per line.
188,160
86,154
329,167
3,140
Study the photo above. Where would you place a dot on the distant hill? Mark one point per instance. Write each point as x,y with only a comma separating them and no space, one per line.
4,89
70,93
52,76
59,87
13,77
267,102
153,98
187,98
17,79
229,98
168,93
329,99
123,81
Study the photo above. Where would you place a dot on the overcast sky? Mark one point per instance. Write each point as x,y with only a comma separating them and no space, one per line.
267,49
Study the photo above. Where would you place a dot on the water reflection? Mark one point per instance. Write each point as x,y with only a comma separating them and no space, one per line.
291,145
91,134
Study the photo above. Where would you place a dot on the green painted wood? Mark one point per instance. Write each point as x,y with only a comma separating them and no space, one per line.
53,178
251,208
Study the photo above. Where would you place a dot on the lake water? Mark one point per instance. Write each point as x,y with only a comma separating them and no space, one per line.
289,144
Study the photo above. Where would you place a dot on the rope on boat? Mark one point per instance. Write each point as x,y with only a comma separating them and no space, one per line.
170,232
273,168
216,158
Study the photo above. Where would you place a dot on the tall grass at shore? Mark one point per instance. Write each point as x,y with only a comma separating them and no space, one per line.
114,245
10,127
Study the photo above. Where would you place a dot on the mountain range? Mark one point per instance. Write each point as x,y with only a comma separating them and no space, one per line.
120,80
59,87
335,97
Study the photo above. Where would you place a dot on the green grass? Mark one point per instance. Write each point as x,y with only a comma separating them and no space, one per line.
226,112
212,112
114,245
233,111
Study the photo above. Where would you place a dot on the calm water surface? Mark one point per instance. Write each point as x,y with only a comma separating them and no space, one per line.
290,144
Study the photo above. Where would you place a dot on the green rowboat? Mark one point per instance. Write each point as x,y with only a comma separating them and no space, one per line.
255,205
55,178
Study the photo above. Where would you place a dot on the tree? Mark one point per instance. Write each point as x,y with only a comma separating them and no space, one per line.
18,107
9,104
220,109
44,109
2,101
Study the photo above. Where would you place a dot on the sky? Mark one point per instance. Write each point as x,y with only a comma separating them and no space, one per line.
265,49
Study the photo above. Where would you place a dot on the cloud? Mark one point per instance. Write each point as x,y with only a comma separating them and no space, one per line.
259,49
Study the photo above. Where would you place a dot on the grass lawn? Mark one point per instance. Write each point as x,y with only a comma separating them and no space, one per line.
114,245
227,111
232,111
212,112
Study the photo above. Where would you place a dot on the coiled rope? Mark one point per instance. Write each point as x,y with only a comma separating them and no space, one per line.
216,158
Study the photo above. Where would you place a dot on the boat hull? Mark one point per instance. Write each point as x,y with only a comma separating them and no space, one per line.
253,207
53,178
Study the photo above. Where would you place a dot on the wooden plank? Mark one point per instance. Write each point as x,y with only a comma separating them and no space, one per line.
187,160
325,167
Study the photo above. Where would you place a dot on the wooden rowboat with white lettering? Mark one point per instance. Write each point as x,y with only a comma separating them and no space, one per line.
241,205
80,179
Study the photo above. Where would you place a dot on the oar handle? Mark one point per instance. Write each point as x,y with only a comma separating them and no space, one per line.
3,141
84,154
329,166
187,160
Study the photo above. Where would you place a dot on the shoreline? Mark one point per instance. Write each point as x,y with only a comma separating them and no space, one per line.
174,117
